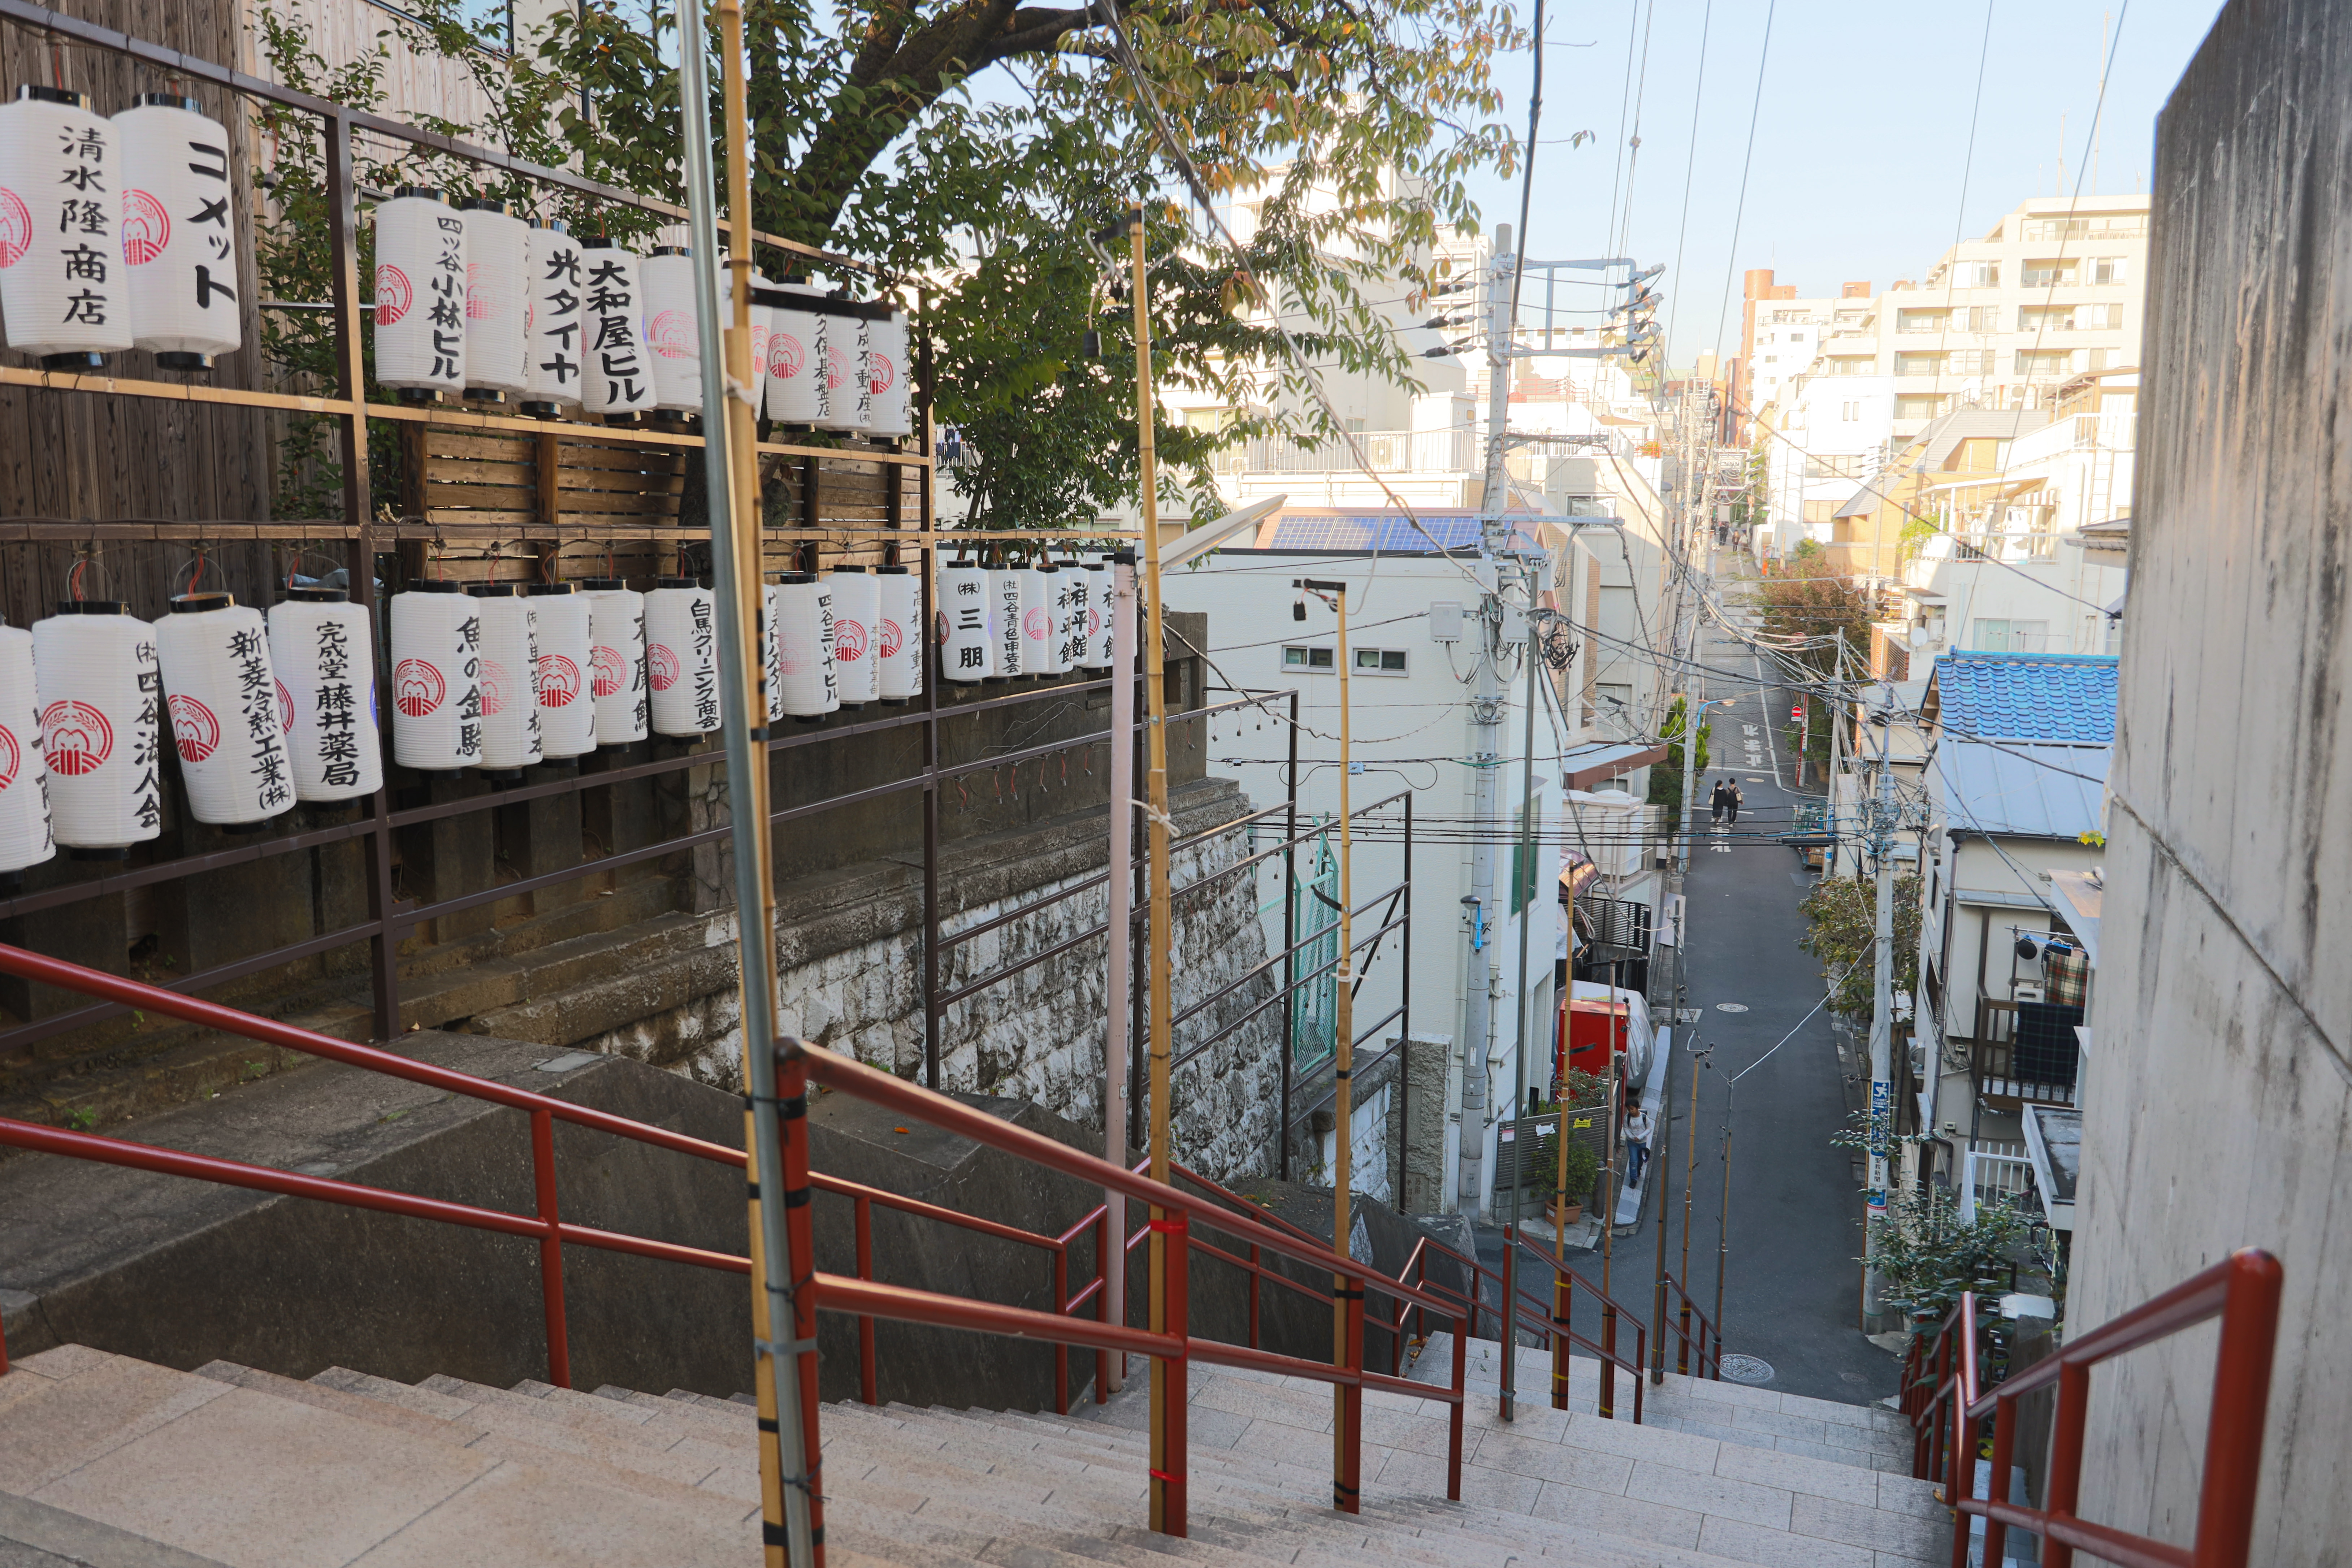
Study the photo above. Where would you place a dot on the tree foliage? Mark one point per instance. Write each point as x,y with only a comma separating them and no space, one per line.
974,143
1843,916
1927,1257
1812,602
1667,777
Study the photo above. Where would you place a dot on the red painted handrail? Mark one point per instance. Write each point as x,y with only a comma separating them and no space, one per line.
1692,1350
2242,1290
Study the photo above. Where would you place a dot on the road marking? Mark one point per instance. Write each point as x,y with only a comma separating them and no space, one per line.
1731,1006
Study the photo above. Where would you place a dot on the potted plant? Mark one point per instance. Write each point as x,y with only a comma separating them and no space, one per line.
1583,1168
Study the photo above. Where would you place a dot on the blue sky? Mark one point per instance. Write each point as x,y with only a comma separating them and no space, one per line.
1861,133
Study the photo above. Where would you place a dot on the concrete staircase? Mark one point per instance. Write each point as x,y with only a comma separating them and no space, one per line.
106,1460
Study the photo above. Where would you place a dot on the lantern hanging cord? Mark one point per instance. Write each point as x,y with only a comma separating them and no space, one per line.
196,567
293,567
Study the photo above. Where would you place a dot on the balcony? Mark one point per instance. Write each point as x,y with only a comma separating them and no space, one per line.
2010,1074
1387,451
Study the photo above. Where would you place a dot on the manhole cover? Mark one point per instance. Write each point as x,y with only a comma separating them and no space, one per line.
1731,1006
1854,1377
1746,1368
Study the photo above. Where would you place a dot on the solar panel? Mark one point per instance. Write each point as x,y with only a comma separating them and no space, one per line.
1387,532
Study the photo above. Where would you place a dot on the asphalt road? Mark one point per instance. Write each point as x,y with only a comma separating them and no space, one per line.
1791,1287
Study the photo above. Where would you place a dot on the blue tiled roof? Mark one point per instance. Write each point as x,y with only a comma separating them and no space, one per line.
2062,696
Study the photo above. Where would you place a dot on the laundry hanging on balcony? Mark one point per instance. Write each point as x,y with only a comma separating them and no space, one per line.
179,232
898,635
616,631
682,656
321,648
498,300
436,678
227,711
567,711
25,835
101,698
856,606
63,288
420,293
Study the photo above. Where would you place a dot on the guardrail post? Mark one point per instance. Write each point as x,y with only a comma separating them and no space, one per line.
1168,1487
867,1384
1346,1485
550,1248
1254,1273
2241,1392
800,1256
1102,1299
1454,1415
1608,1405
2004,1439
1061,1265
1563,1300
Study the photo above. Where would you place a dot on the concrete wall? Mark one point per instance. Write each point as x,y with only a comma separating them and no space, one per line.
2220,1104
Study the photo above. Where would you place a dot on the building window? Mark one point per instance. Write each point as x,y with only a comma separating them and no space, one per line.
2044,274
1969,361
2012,636
1920,320
1851,411
2047,362
1307,658
2111,269
1379,661
1853,366
1977,275
2099,318
1920,407
1918,365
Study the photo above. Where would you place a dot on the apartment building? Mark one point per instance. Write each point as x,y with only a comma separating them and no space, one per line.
1780,337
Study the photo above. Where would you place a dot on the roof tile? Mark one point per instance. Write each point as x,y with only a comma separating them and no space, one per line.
2067,698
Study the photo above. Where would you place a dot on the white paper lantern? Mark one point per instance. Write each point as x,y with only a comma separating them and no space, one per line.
26,836
553,320
804,658
1070,595
617,377
1044,615
898,634
1004,622
794,392
889,372
616,629
179,233
771,648
567,707
510,734
1098,614
760,322
420,294
682,656
672,333
63,286
498,300
845,398
222,695
856,610
436,678
101,697
967,650
325,658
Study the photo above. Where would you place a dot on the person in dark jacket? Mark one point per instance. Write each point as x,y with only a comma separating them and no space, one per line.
1727,802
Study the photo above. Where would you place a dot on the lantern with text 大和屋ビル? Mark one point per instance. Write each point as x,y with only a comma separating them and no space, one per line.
856,607
420,295
567,704
682,656
498,300
967,622
616,372
436,678
26,838
64,289
101,700
616,659
510,636
320,646
179,233
673,331
898,635
222,698
804,651
554,325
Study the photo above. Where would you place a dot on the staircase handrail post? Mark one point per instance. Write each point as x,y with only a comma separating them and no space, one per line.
1347,1487
2005,1441
800,1255
550,1248
1454,1420
867,1382
1176,1280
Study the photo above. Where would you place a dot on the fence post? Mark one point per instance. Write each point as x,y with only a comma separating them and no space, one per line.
1167,1476
867,1384
1061,1352
1347,1487
1563,1300
550,1248
1256,1273
1462,1327
1102,1299
2241,1390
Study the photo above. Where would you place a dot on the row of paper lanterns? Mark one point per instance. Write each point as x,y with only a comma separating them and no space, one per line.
116,234
475,300
266,712
997,623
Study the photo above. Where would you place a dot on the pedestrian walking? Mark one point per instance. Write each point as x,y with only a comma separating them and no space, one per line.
1637,1145
1725,801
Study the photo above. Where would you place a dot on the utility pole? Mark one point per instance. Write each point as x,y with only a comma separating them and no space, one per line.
1168,1395
1837,749
1523,893
1478,978
1882,1020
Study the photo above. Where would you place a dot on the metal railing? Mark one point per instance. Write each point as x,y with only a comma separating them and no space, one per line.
1947,1402
1700,1353
1388,451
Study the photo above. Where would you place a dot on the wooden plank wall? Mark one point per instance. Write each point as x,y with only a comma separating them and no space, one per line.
74,457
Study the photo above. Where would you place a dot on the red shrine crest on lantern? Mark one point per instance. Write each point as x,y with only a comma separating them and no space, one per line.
661,667
11,756
146,227
559,680
16,227
672,335
75,737
418,688
194,729
894,637
612,672
786,356
494,686
848,641
393,297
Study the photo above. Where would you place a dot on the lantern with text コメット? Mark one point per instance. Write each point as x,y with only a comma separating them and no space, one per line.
179,232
